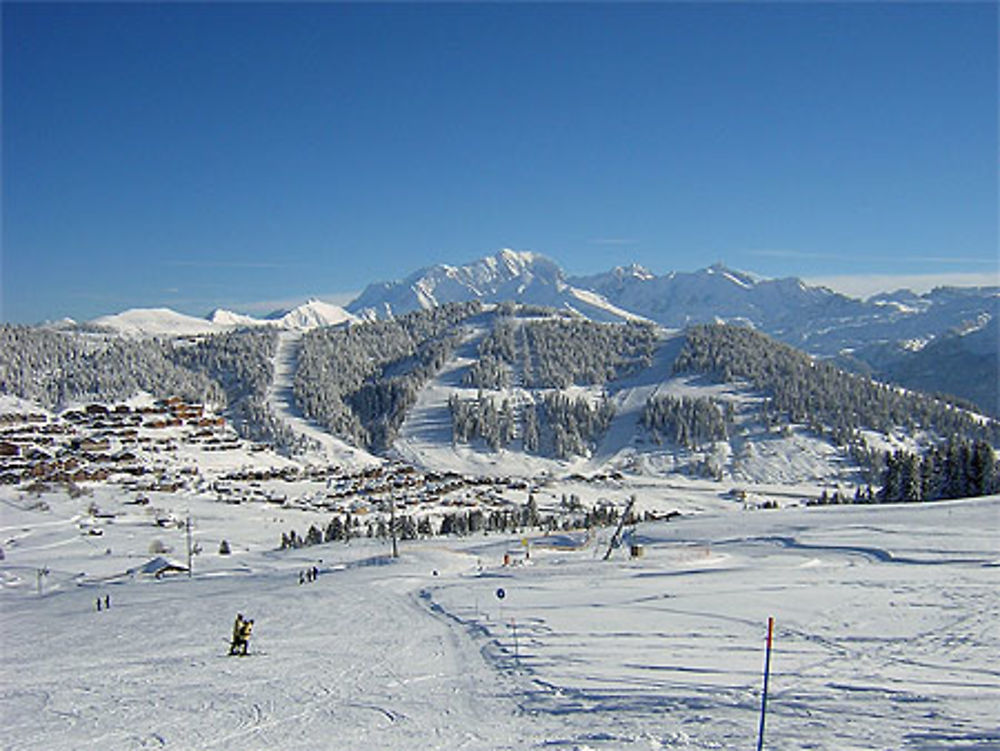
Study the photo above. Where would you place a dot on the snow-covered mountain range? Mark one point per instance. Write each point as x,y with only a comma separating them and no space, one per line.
882,336
814,318
509,275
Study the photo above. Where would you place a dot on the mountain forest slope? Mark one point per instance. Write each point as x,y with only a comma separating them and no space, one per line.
518,389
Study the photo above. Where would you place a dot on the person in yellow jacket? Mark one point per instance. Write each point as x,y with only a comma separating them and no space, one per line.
241,635
245,636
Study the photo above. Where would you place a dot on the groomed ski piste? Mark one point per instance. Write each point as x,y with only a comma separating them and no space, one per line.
885,631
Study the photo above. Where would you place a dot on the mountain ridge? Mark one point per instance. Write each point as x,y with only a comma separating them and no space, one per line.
815,318
876,336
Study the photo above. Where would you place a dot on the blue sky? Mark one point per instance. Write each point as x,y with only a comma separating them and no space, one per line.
239,155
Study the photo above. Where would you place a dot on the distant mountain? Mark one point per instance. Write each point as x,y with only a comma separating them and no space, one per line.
156,322
228,319
962,362
166,322
508,276
311,315
871,335
782,307
817,319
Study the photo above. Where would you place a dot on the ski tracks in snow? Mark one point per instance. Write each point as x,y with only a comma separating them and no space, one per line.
281,401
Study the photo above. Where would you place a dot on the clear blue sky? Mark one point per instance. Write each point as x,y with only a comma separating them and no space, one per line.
204,155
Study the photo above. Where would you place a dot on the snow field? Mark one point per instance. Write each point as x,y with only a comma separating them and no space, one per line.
885,635
885,631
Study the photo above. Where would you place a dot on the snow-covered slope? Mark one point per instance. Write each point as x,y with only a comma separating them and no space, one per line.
281,402
158,322
752,454
866,334
884,631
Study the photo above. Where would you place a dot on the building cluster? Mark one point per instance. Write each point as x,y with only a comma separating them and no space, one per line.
99,442
362,491
137,448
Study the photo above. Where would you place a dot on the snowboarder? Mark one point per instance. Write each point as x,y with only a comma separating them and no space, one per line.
241,635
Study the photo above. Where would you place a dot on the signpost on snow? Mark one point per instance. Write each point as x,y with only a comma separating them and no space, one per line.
767,671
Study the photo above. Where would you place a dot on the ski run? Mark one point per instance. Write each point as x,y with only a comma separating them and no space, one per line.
885,637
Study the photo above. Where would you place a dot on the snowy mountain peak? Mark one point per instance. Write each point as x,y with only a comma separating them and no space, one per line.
314,314
223,317
636,271
519,261
506,275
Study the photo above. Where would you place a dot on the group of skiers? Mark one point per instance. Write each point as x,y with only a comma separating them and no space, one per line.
309,575
106,601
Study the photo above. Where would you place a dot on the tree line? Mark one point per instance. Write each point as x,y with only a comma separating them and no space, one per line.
959,468
688,422
555,424
816,394
359,381
511,519
559,352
